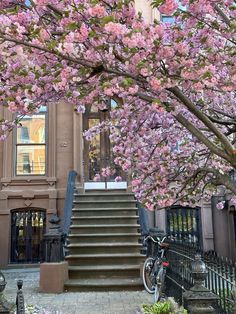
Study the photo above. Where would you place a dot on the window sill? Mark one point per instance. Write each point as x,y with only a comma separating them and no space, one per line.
28,180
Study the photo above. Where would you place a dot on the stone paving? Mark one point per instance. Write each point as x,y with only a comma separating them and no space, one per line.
122,302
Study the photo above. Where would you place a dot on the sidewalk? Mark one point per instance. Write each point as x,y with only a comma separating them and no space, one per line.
121,302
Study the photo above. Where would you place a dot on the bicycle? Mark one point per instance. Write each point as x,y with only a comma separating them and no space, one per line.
154,268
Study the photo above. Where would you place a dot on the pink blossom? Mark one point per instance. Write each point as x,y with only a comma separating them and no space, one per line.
118,179
97,178
116,29
233,200
168,7
106,172
220,205
155,84
41,3
44,34
97,11
80,108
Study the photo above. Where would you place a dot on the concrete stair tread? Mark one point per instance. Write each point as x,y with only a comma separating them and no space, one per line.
104,255
104,209
102,217
103,194
104,267
105,226
105,282
104,201
98,244
102,235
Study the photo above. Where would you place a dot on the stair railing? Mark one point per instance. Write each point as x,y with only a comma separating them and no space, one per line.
68,205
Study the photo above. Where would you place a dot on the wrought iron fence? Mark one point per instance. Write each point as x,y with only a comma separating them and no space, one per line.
221,278
184,223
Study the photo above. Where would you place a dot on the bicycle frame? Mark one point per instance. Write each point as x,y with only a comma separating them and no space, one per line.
154,268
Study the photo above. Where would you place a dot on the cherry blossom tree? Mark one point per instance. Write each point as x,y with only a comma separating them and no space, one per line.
176,120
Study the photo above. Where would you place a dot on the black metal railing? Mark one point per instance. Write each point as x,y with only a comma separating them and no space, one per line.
184,223
69,201
221,277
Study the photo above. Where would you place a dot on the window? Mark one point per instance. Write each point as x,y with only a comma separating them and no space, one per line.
31,145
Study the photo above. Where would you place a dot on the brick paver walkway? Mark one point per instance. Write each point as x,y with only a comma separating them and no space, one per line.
122,302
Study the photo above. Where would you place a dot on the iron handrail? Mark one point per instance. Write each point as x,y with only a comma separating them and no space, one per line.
69,201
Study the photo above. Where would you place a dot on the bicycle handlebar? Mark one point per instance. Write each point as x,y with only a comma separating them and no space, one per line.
158,240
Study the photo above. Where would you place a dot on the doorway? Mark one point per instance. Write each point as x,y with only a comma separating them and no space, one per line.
98,154
27,229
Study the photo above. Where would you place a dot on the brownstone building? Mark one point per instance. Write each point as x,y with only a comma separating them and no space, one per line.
34,164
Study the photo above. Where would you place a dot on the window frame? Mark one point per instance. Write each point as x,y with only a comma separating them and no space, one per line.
45,144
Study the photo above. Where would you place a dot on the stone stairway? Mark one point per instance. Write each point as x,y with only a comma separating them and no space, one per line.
104,253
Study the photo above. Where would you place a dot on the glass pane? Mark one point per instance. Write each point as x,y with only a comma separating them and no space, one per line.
30,159
114,104
43,109
167,19
32,130
94,153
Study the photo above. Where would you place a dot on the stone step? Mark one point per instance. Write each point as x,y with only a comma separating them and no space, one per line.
104,259
101,196
102,284
108,237
105,271
112,228
104,203
106,247
101,220
105,192
86,212
103,247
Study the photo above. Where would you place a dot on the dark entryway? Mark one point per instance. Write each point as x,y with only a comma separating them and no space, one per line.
27,229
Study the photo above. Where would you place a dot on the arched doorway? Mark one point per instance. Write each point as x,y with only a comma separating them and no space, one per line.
97,152
28,226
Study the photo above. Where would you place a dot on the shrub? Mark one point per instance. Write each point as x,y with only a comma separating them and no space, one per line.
165,307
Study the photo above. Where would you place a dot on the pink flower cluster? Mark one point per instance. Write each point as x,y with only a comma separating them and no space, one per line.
169,7
97,11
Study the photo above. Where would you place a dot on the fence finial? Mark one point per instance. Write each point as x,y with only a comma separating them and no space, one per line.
199,299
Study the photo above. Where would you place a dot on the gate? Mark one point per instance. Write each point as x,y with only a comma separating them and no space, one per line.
27,229
184,224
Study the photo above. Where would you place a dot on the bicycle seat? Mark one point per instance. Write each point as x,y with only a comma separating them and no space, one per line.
164,245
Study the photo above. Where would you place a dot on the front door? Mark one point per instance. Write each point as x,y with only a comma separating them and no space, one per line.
98,154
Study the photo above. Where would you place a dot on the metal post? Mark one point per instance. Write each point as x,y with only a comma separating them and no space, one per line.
54,241
20,304
199,299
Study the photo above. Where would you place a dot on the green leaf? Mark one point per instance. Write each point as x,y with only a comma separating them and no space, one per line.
107,19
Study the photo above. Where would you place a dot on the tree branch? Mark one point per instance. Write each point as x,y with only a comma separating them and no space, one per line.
202,117
202,138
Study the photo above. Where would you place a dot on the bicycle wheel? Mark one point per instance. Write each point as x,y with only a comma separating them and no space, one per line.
148,276
160,281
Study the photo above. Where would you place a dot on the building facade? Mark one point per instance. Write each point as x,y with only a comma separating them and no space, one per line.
34,164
